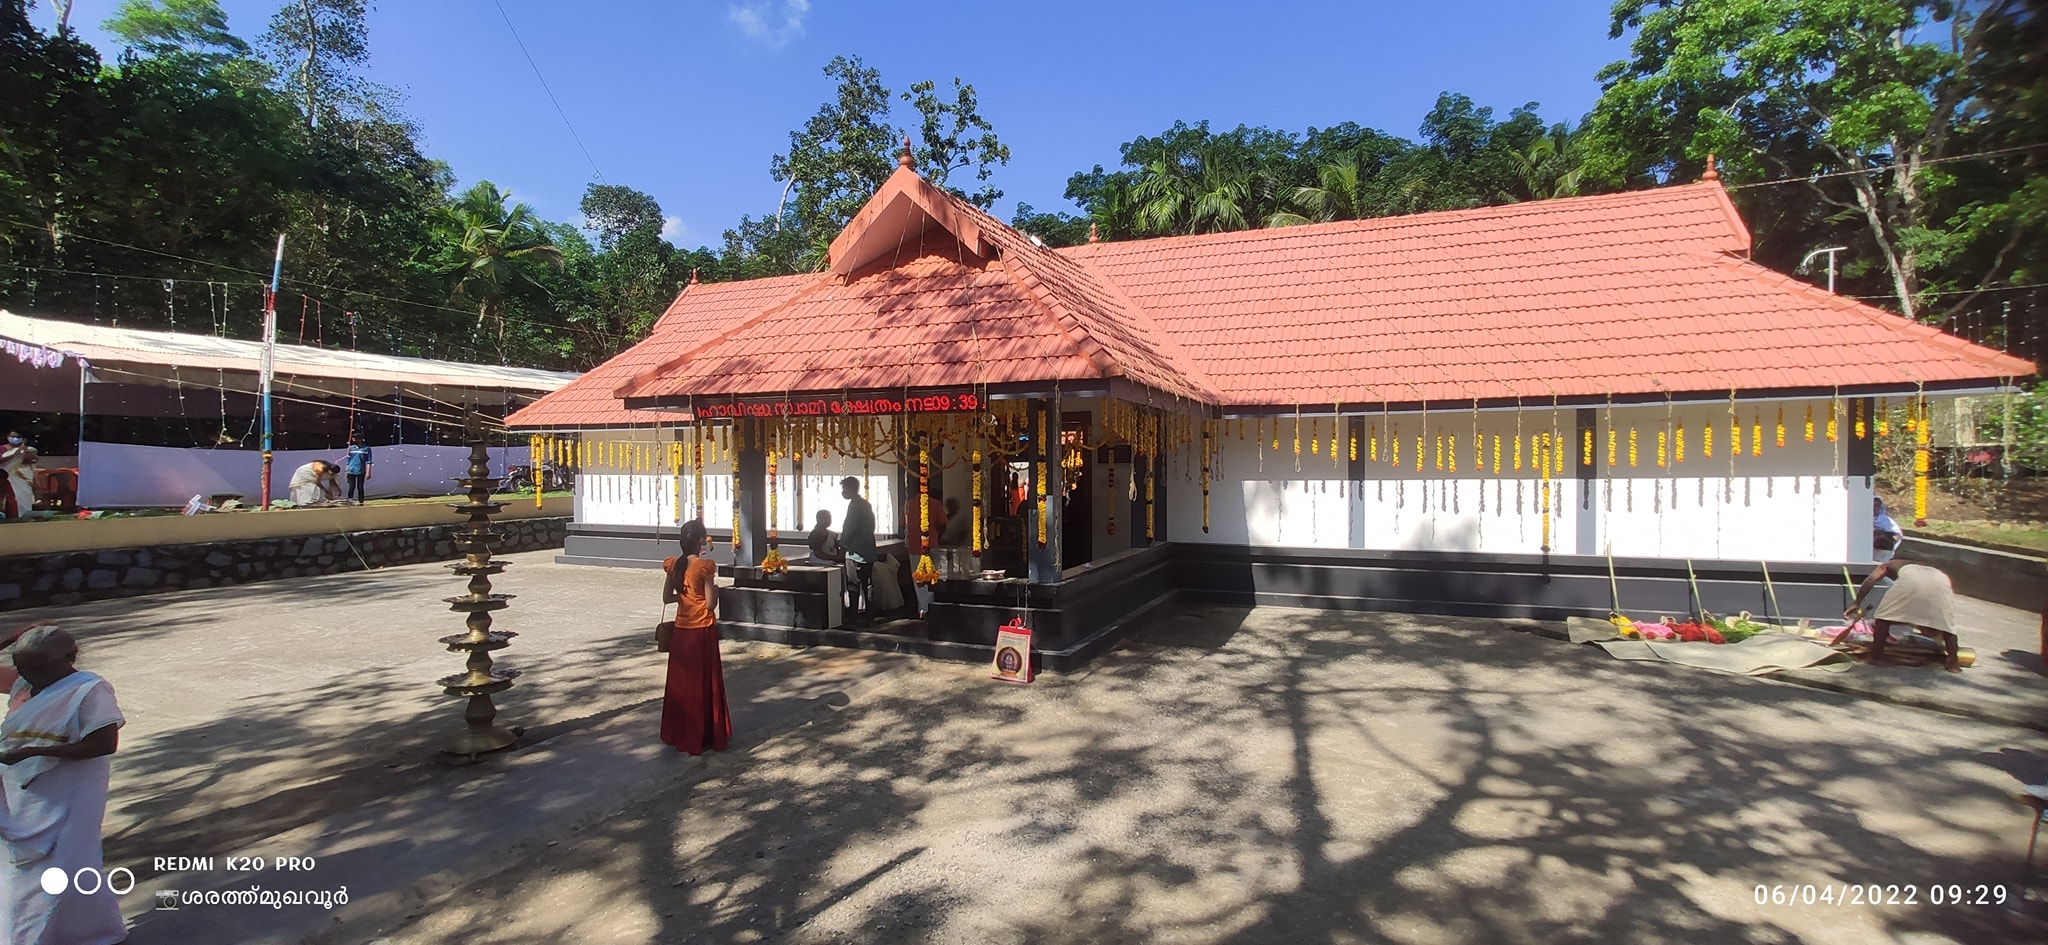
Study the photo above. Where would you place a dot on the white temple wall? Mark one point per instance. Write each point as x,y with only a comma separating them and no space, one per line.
606,495
1791,503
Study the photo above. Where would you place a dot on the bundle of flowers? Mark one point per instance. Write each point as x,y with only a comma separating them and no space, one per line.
925,575
1669,631
775,563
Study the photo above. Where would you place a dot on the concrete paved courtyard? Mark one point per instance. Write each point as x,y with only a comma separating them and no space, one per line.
1239,775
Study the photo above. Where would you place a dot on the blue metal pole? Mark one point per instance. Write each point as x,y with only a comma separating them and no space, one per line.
269,346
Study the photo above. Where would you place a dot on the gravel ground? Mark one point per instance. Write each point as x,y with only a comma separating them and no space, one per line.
1278,775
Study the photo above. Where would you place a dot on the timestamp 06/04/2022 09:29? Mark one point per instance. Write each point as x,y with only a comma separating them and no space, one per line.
1882,894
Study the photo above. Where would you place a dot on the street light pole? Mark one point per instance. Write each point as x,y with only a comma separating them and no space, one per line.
269,355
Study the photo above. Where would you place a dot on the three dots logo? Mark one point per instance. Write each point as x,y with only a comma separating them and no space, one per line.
88,881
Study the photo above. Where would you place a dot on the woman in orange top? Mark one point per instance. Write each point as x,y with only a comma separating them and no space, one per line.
693,712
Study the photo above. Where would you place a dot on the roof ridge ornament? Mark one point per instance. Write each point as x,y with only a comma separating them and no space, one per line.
1711,174
904,159
1092,237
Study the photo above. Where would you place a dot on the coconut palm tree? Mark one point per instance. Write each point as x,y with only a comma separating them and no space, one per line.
1550,166
485,249
1338,196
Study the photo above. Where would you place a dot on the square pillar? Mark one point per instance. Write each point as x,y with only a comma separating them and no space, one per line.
751,487
1588,475
1045,456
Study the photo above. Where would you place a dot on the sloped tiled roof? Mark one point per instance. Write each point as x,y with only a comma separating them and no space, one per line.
700,312
1625,295
909,303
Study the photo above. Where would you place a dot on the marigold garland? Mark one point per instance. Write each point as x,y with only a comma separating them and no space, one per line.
1439,452
977,499
1297,433
1589,448
1149,476
1917,411
1394,446
1353,431
1518,452
1453,447
774,520
1809,423
1315,437
1707,439
924,575
1734,436
1678,444
1781,425
1832,423
1496,454
1861,430
1373,442
1557,454
1631,447
1418,452
1884,416
1756,434
1662,450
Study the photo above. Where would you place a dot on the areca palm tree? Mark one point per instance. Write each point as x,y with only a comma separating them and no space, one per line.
1221,191
485,249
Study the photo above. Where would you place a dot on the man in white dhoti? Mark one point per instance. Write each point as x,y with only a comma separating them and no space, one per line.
55,749
1920,597
315,482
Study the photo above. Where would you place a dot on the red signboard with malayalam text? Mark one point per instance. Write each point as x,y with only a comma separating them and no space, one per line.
880,405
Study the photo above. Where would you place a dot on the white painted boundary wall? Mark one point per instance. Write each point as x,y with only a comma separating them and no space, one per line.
1792,503
116,475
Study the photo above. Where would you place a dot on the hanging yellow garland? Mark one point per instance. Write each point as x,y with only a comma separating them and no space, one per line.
1663,447
1276,433
1918,411
1781,425
1418,452
698,486
1518,452
1861,429
1150,475
1756,434
1496,454
1613,446
1297,432
1631,447
1353,431
1041,479
1453,447
675,456
1373,441
1589,448
924,575
1707,439
1734,436
1556,453
977,499
1394,445
1678,444
1884,416
1439,452
1315,437
1809,423
1832,423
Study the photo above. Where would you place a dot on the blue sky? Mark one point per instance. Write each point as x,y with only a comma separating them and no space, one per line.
687,99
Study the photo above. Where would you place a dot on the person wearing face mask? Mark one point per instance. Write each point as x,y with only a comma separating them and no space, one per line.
693,710
18,468
55,749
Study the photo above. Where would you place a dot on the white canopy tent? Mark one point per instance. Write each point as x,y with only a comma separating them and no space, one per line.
136,356
58,367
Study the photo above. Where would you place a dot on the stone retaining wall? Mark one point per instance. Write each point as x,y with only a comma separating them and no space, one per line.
71,577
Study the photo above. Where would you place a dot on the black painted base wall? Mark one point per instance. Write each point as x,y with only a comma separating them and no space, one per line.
38,580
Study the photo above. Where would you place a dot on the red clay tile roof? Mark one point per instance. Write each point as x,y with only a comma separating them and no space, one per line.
926,291
699,313
1622,295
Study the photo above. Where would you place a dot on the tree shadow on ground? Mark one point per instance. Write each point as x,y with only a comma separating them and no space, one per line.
1280,775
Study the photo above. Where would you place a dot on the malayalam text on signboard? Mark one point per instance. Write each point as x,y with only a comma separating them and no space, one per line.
956,402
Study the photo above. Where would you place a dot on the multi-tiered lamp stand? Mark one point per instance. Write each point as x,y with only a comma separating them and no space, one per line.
480,679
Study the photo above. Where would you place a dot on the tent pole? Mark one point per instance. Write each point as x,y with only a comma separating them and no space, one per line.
269,354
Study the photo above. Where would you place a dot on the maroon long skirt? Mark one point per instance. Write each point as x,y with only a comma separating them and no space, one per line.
693,712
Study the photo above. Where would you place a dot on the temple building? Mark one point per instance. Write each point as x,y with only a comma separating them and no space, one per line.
1527,410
